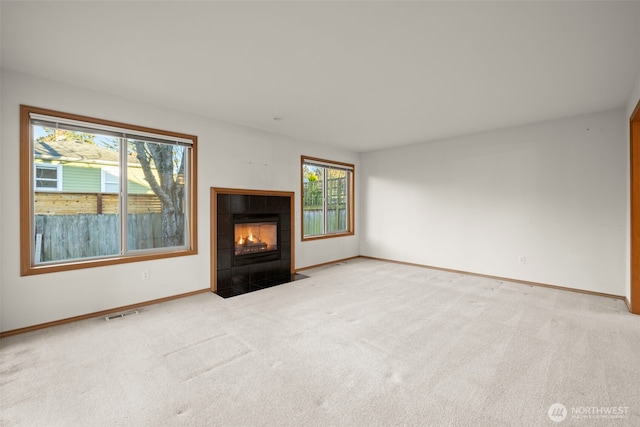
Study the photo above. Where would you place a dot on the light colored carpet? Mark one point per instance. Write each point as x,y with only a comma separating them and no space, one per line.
360,343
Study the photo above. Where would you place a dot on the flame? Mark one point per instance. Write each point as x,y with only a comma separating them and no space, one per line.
250,238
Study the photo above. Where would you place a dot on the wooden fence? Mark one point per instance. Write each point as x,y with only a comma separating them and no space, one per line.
62,237
314,221
93,203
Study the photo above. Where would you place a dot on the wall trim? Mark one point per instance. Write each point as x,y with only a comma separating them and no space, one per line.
324,264
634,209
99,313
506,279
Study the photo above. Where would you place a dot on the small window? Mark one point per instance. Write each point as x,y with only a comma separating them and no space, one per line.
327,198
48,177
110,180
128,193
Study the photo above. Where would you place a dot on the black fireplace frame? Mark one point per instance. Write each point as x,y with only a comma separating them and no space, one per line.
229,274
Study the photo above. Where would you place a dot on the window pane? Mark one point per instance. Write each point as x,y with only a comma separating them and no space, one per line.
336,200
43,183
72,224
156,189
46,172
313,200
111,187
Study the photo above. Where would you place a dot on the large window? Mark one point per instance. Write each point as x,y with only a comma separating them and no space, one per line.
327,198
95,192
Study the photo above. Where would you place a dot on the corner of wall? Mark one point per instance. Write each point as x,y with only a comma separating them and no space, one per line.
2,181
633,102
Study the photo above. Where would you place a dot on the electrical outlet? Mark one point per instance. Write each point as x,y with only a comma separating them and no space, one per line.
146,275
522,259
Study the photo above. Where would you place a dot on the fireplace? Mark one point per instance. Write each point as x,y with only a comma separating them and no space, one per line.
255,238
253,243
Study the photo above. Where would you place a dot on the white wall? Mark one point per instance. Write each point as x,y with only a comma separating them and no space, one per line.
268,162
553,192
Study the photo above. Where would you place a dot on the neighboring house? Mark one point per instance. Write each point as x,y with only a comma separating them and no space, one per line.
76,177
76,167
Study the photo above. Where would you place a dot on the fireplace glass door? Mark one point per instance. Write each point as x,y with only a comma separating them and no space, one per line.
255,237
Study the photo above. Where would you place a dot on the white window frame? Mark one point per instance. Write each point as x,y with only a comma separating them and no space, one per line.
57,167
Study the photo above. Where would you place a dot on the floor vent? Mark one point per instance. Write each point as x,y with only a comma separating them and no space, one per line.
121,315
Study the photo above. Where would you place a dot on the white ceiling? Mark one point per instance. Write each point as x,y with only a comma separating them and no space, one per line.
359,75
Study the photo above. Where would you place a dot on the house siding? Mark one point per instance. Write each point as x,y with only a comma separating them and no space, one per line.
87,178
80,178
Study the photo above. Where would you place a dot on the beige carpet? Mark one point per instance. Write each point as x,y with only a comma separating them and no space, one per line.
360,343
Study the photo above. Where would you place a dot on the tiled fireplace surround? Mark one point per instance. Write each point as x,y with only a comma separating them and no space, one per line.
229,278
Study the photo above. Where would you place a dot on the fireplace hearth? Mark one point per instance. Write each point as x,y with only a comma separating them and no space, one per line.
253,242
